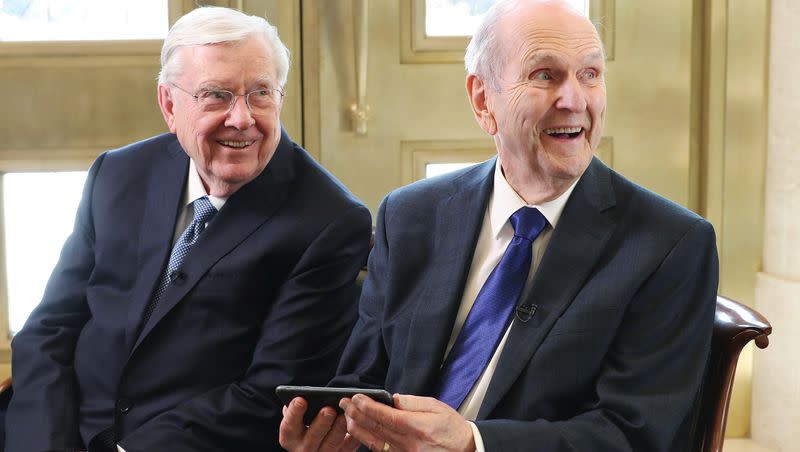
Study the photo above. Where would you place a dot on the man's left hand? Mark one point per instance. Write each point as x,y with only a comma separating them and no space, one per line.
414,424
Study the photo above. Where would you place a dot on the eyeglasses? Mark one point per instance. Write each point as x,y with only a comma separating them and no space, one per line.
259,102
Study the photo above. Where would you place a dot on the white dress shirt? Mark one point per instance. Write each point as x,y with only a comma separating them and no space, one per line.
194,190
496,233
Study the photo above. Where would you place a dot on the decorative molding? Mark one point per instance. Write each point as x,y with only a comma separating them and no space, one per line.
5,330
92,54
416,47
603,14
96,61
359,110
81,48
60,159
312,122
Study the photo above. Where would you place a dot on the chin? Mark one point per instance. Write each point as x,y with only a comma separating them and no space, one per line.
572,168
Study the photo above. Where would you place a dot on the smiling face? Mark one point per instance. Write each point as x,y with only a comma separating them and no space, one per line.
229,147
547,108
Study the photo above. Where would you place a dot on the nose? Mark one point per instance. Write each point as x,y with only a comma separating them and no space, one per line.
571,95
239,116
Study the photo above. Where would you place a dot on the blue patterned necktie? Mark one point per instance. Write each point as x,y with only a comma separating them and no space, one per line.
203,211
491,312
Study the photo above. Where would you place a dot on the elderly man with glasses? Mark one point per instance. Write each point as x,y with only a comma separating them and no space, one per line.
207,266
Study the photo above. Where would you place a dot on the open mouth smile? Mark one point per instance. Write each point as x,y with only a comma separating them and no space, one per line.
235,144
564,132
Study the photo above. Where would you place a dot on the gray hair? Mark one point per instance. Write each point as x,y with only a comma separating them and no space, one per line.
213,24
485,56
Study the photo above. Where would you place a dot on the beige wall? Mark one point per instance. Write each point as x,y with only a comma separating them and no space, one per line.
776,394
733,154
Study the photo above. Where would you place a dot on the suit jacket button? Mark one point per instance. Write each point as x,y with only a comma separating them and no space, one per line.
124,405
177,277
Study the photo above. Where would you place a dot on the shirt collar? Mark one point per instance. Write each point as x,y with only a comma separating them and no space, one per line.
505,201
196,190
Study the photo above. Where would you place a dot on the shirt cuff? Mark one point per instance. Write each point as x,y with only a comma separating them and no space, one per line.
476,435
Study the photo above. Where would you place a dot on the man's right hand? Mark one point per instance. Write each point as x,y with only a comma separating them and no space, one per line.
327,432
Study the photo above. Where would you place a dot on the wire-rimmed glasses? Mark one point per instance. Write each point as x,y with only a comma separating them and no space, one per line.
260,101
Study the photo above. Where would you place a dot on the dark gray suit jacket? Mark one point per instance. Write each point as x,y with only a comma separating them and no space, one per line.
265,297
614,353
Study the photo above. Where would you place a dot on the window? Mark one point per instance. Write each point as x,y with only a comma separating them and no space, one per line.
429,158
76,20
435,169
461,17
38,215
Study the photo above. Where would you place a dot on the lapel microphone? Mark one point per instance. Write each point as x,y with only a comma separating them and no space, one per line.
525,311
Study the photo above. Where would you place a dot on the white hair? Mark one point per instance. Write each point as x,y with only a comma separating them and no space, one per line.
213,24
485,56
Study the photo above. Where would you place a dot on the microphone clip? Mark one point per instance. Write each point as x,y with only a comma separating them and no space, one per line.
525,311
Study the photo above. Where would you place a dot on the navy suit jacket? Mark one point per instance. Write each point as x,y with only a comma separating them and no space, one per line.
622,304
266,296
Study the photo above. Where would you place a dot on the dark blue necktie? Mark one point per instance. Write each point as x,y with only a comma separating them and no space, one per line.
491,312
203,211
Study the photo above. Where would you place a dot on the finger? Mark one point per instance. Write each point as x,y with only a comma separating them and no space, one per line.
372,423
292,430
421,404
358,432
335,437
350,444
383,417
320,427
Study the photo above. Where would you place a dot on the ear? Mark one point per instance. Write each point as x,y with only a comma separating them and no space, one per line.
167,105
476,91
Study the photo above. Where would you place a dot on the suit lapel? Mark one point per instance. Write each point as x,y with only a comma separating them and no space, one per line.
577,242
163,196
244,212
458,221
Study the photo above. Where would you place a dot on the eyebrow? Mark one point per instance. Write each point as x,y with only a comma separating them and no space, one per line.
596,55
265,79
548,58
215,85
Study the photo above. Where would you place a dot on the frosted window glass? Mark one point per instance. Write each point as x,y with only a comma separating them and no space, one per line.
435,169
77,20
39,213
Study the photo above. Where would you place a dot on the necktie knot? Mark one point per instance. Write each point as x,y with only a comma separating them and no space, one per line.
528,223
203,210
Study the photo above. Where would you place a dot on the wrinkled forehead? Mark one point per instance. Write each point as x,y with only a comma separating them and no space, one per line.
549,29
249,58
